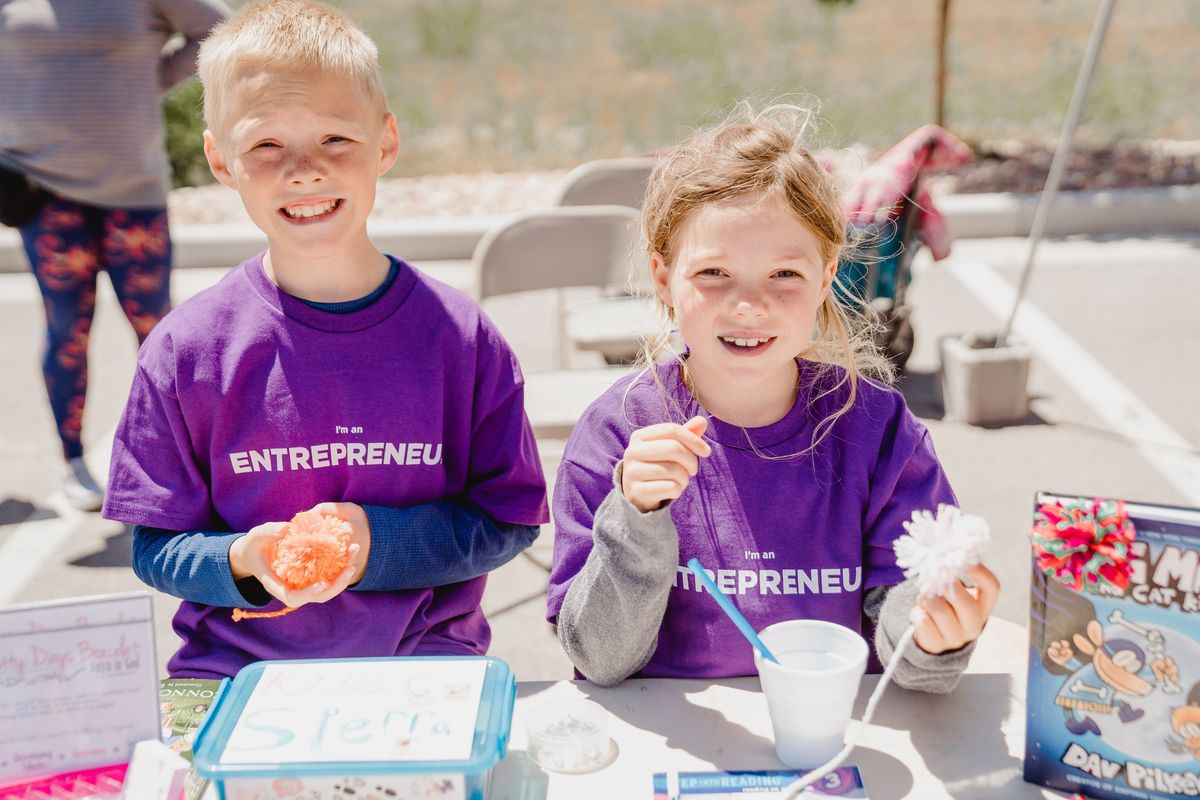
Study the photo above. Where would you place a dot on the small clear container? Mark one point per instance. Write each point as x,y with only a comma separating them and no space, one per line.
570,736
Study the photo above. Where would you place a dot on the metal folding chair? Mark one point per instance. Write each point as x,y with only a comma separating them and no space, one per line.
607,181
558,248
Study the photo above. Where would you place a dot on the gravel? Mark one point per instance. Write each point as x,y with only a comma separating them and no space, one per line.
479,194
1000,166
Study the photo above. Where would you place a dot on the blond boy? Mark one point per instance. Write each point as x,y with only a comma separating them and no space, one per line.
320,374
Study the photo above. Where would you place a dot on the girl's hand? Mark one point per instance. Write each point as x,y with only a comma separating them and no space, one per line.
660,460
948,623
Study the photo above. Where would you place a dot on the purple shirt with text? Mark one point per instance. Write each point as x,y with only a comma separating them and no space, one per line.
249,406
787,538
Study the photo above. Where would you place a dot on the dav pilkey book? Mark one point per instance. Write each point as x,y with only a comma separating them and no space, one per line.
1113,701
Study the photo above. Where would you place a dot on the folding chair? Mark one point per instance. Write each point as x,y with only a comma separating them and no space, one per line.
612,325
607,181
557,248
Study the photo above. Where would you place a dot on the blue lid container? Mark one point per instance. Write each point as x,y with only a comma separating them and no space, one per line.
403,727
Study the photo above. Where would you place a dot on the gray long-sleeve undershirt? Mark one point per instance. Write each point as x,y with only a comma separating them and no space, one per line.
611,613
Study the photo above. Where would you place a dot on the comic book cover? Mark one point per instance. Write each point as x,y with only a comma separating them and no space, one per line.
1113,701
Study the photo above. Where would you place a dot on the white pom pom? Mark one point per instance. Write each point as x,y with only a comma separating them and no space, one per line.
937,550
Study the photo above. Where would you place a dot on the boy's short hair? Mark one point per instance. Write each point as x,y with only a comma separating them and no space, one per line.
286,34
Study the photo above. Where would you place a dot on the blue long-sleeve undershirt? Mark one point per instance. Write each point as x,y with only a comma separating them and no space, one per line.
419,547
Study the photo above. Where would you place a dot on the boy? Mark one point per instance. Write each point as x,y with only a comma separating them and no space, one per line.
321,374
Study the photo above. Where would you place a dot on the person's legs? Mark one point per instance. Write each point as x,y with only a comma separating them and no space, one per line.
136,253
61,242
63,253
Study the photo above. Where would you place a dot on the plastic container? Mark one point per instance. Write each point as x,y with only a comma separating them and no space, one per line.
569,737
399,728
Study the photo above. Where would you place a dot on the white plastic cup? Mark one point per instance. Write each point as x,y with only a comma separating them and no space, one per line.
810,692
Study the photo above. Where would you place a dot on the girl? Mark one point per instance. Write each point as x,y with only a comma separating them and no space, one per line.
762,450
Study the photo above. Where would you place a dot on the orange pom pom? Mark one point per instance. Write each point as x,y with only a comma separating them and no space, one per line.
312,547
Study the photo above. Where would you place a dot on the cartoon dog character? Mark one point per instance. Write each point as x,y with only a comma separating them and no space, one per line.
1106,673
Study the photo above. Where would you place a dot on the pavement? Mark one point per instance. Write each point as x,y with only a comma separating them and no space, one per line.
1111,319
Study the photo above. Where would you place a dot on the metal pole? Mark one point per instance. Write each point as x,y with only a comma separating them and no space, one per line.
1082,84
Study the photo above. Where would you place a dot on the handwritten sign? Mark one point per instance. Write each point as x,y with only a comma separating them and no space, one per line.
359,711
78,683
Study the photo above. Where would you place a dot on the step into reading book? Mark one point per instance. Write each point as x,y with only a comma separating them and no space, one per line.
844,782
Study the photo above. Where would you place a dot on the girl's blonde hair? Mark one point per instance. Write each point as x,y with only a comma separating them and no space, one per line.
752,152
287,34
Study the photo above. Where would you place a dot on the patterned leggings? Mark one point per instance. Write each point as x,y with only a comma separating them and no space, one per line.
68,243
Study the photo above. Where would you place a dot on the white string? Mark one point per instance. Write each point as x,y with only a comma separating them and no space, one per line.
793,789
934,552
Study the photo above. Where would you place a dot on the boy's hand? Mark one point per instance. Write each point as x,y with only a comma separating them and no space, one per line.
247,557
660,461
948,623
360,535
319,592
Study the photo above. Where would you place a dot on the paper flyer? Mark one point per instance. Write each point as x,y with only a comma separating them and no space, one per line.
78,684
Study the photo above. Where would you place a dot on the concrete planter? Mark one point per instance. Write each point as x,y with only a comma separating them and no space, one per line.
983,384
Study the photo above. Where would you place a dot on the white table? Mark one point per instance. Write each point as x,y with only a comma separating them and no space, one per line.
968,744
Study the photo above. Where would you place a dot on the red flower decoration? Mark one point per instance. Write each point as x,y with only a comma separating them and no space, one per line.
1084,544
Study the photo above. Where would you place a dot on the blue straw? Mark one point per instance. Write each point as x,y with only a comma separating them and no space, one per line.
730,610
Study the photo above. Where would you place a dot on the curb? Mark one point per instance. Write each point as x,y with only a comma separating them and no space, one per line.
225,245
979,216
968,216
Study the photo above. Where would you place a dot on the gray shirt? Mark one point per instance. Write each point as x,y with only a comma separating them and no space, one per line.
81,83
612,611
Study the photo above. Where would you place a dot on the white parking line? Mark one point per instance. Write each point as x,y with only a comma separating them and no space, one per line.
17,288
1157,442
34,543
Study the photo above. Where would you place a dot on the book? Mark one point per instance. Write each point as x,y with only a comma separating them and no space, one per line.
843,782
1113,700
184,704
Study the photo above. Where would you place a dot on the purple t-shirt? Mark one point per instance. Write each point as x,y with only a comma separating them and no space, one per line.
793,538
249,405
